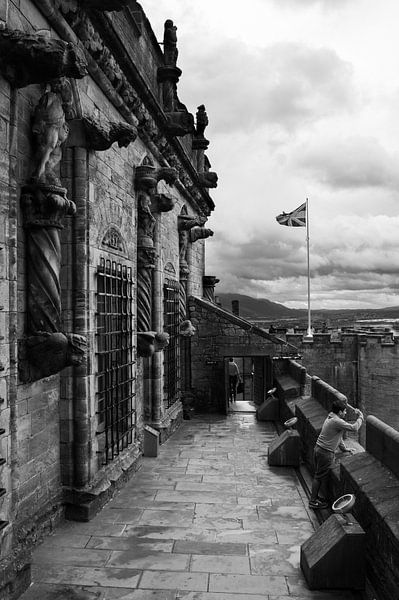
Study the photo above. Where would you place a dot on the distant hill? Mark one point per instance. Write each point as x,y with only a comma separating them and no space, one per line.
258,307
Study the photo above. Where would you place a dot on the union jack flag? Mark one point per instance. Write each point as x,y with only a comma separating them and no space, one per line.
296,218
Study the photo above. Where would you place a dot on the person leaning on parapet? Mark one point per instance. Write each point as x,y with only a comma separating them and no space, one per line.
329,440
234,377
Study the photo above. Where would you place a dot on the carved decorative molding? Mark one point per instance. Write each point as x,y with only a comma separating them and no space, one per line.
200,233
27,58
113,240
106,5
94,134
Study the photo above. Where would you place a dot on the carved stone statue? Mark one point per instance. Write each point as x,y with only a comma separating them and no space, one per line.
146,220
170,51
27,58
46,349
202,121
50,131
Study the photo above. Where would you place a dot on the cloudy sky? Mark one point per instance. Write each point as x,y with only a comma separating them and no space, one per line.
302,98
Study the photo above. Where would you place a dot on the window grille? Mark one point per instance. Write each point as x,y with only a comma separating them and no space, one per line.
116,410
171,352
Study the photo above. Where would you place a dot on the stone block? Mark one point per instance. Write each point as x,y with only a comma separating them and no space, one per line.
284,451
268,410
327,557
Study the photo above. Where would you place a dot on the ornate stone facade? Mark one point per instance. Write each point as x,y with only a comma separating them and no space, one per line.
94,181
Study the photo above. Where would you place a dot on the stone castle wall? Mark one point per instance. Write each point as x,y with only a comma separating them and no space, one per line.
49,425
363,367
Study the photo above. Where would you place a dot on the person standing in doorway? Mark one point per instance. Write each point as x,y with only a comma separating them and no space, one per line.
328,442
234,378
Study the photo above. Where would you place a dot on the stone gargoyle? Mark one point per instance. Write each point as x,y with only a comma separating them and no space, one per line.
149,342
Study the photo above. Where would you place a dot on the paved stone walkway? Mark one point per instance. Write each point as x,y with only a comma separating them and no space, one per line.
207,519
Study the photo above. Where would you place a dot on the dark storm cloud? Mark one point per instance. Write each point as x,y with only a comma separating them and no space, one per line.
286,84
361,250
354,162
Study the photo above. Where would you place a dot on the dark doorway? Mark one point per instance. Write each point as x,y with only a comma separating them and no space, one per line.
256,376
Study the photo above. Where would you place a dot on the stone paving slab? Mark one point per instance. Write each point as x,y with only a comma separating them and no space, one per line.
207,519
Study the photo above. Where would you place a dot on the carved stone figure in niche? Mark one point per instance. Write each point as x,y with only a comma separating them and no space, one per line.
149,342
46,349
50,131
202,121
146,220
32,58
170,51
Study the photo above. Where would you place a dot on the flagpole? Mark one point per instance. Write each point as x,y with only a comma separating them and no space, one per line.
309,333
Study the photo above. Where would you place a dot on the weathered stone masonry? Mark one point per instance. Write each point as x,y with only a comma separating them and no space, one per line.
78,254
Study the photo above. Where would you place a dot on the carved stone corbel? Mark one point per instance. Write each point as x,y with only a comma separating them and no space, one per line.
200,233
27,58
99,135
149,342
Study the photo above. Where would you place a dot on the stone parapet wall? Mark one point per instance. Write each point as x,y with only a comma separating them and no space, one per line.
382,441
376,509
364,367
372,476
